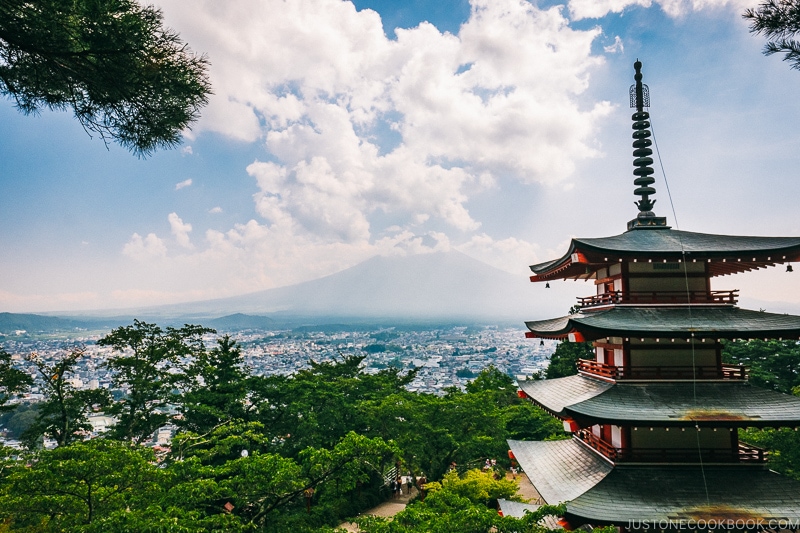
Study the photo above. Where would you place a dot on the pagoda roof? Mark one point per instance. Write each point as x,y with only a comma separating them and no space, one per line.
726,254
669,322
710,404
518,510
515,509
647,494
598,493
560,470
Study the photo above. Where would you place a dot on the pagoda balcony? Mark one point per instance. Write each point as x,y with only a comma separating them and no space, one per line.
602,370
660,297
743,454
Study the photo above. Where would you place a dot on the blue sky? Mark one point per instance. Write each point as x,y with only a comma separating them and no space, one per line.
339,131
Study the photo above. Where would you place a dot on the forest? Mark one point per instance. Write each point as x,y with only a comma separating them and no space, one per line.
254,453
303,452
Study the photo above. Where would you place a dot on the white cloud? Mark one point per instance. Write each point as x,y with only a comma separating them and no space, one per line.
187,150
582,9
510,254
180,230
142,249
184,183
215,210
617,47
376,146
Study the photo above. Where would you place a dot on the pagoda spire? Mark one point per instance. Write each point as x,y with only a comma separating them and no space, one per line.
640,98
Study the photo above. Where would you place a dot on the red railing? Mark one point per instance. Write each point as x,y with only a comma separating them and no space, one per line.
598,369
734,372
744,453
661,297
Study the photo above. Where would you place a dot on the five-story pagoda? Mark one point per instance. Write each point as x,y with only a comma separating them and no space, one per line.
655,415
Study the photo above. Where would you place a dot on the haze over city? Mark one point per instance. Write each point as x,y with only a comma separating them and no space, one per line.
339,131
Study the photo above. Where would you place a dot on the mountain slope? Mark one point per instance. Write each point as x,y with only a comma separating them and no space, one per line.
439,285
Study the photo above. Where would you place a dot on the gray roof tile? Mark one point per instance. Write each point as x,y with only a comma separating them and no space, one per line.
559,470
674,243
684,493
724,404
709,404
671,322
555,394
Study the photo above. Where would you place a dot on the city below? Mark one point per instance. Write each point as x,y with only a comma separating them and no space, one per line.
444,356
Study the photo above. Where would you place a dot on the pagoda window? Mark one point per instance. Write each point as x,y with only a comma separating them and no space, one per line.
673,356
666,284
667,361
675,439
668,279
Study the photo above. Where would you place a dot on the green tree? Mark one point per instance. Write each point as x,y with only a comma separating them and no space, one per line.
783,445
462,427
490,379
779,22
772,364
564,360
775,365
64,414
147,366
319,405
12,381
481,487
105,486
261,484
216,383
72,486
16,422
124,75
458,505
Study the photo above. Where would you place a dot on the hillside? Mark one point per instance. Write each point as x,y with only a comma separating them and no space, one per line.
430,286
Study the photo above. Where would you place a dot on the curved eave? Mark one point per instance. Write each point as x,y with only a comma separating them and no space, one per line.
554,395
560,470
725,254
653,494
721,404
674,243
554,328
712,405
722,322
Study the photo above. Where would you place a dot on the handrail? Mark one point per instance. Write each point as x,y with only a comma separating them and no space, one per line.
744,453
661,297
725,371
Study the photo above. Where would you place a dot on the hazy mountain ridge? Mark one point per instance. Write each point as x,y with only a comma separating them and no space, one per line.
10,322
438,285
443,286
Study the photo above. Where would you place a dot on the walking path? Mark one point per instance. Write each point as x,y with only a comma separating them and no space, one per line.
387,509
391,507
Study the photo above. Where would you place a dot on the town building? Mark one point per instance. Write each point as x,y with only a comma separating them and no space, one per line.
656,415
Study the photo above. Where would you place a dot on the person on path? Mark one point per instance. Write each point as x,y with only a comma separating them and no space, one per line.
421,482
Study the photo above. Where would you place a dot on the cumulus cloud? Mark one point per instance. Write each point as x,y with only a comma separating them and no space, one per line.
357,123
180,230
582,9
376,146
145,248
215,210
509,254
184,183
